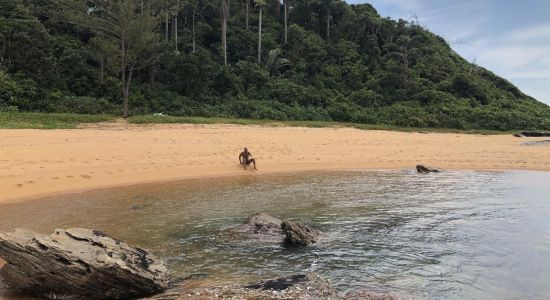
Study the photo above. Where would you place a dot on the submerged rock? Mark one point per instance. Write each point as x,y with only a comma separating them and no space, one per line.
299,234
309,286
426,169
368,295
78,263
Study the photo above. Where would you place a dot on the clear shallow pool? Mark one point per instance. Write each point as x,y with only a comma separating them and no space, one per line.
449,235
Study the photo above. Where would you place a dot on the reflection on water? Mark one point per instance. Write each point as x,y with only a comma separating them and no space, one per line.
447,235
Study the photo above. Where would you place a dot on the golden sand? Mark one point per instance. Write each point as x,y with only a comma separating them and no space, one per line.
42,162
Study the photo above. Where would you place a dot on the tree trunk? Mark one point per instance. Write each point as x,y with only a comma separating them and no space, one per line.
176,31
166,26
123,78
225,17
285,4
277,8
260,37
194,11
247,9
101,72
328,26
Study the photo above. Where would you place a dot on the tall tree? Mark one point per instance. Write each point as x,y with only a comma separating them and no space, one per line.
405,49
260,4
195,7
225,18
247,13
126,34
285,6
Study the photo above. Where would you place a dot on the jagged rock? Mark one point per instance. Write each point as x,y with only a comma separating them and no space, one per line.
78,263
535,134
426,169
263,227
260,226
299,234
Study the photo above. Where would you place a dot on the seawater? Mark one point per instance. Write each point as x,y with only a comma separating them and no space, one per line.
456,234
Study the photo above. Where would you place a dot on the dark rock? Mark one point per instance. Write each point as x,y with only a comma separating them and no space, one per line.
518,135
426,169
263,227
299,234
78,263
535,134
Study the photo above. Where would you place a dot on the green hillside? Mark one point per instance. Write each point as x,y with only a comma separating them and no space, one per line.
340,63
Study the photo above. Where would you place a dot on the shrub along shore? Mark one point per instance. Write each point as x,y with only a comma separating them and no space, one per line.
28,120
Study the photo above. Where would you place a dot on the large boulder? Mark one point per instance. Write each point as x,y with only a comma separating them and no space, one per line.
78,263
426,169
299,234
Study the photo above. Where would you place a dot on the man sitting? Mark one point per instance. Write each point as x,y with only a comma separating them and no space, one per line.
245,158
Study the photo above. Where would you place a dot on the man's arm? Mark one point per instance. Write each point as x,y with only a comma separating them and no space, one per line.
240,155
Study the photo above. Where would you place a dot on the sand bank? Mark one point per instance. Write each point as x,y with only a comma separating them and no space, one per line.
42,162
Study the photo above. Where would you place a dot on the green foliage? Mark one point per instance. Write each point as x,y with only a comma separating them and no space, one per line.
18,120
356,67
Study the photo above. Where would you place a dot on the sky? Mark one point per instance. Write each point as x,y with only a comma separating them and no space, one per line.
509,37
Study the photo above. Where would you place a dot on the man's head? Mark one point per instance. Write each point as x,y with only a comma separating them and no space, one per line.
245,149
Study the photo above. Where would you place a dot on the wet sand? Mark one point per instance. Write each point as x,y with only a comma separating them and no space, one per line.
36,163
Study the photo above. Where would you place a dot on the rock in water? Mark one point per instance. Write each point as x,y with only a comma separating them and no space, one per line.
78,263
299,234
425,169
264,223
260,226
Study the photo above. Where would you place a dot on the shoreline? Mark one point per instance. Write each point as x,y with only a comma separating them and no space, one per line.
37,163
240,175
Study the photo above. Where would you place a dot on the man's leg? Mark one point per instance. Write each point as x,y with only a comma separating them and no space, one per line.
252,160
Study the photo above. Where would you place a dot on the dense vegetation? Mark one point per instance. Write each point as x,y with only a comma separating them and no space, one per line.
206,58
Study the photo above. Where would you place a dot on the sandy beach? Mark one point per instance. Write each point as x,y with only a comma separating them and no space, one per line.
36,163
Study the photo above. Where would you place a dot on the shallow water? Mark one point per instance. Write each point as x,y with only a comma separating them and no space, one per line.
481,235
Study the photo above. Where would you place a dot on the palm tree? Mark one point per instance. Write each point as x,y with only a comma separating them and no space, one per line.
260,3
225,17
285,4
